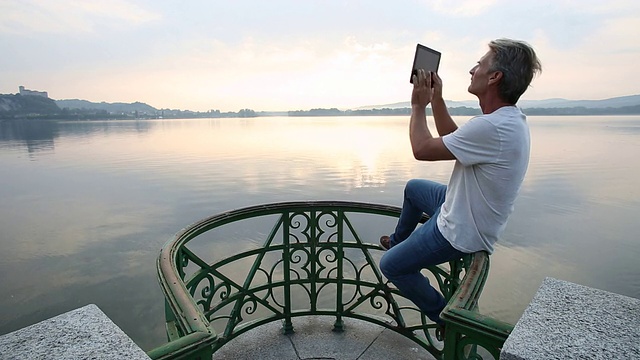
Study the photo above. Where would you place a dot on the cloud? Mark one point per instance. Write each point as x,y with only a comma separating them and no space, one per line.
603,63
461,8
608,7
205,73
70,16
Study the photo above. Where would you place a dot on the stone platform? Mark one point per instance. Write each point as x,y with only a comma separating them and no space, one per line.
563,321
313,339
84,333
570,321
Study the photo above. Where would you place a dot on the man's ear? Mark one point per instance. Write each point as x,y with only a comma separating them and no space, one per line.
495,77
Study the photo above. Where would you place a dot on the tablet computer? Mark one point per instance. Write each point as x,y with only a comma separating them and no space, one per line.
425,58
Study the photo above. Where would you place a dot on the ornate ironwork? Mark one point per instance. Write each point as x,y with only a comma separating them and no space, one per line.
311,262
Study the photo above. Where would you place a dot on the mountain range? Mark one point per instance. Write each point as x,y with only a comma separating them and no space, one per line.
109,107
555,103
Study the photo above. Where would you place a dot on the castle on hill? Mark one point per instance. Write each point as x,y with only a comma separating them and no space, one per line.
26,92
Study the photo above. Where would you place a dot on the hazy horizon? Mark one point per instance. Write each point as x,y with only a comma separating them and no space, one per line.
450,103
280,55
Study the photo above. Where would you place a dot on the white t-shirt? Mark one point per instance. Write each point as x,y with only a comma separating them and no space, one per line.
492,155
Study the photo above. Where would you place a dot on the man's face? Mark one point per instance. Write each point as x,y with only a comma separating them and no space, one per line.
480,75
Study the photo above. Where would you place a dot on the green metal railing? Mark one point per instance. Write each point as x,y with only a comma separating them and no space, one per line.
313,261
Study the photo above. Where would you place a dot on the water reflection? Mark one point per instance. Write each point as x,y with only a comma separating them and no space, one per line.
33,135
84,223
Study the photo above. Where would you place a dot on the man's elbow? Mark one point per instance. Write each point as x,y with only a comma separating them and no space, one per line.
424,155
433,150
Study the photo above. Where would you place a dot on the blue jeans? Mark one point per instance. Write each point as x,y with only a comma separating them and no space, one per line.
415,249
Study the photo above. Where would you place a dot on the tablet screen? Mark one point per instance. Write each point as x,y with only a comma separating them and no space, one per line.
425,58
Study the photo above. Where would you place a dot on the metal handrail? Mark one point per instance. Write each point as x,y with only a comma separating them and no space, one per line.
309,247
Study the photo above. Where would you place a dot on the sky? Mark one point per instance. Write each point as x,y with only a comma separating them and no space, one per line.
282,55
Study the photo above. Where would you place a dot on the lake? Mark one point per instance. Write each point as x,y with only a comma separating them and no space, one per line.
86,206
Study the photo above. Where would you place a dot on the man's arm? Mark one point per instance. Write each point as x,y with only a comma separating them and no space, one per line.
423,144
444,122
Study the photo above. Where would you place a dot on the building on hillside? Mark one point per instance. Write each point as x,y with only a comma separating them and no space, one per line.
25,92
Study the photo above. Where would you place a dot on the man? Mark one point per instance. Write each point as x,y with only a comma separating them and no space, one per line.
492,155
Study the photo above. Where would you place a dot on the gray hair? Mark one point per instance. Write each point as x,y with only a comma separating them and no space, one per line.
518,63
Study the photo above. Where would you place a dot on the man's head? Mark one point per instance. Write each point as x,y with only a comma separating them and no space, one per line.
508,67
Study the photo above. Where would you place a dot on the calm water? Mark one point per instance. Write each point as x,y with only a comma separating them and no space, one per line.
85,207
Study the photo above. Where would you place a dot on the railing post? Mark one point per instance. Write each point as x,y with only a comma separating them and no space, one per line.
313,238
287,325
338,326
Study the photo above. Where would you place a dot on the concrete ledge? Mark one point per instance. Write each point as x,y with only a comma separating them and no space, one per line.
84,333
570,321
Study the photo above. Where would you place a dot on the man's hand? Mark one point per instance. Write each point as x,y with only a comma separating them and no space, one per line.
437,87
422,91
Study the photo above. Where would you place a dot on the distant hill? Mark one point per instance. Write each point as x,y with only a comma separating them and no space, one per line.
16,106
73,104
407,104
616,102
12,105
